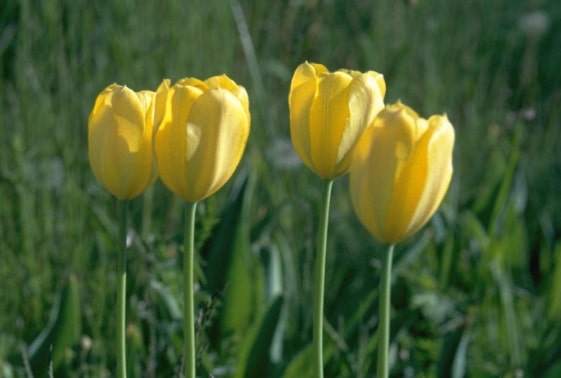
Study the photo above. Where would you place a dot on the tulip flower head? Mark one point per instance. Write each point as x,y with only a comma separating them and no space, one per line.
202,134
328,113
401,170
120,130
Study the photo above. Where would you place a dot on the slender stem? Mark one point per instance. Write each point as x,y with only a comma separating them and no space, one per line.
122,291
320,279
188,292
384,327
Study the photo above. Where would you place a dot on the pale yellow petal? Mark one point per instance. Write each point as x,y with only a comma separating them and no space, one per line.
437,147
393,142
409,182
400,172
119,149
368,199
301,96
219,124
306,72
172,137
329,116
365,100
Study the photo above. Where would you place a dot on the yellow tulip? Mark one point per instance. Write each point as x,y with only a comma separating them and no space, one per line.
202,134
328,113
120,131
401,170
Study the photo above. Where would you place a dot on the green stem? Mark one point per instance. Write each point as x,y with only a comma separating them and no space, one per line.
320,279
189,300
384,327
122,291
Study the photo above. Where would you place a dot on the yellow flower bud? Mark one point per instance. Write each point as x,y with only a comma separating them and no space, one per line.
401,169
120,130
202,134
328,113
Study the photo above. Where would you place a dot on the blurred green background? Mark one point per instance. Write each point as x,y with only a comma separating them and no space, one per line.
476,293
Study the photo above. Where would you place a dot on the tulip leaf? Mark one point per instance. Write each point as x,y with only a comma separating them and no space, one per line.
254,359
231,269
302,364
452,361
62,332
554,311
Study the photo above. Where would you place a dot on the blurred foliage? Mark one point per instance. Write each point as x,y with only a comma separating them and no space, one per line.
476,293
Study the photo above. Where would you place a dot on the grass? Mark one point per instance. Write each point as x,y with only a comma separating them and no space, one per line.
476,293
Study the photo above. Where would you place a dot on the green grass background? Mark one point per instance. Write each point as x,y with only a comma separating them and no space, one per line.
476,293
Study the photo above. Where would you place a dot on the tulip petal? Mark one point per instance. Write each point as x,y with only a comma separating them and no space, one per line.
128,115
202,135
328,113
120,141
400,172
224,82
160,105
410,177
302,94
329,118
305,73
369,199
366,93
218,122
437,146
171,148
386,146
